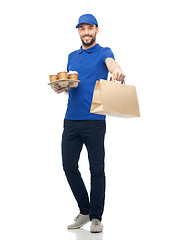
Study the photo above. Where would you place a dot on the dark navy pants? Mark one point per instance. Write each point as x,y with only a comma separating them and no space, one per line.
92,134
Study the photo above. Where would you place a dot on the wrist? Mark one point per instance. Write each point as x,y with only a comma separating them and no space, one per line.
67,90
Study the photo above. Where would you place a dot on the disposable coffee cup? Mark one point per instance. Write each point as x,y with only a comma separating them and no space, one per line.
62,75
53,78
73,75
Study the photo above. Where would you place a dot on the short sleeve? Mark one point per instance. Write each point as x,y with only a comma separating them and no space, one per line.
108,53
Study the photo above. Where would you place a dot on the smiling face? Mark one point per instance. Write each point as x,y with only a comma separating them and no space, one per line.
88,34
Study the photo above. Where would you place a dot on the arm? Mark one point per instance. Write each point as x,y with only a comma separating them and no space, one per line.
67,90
115,69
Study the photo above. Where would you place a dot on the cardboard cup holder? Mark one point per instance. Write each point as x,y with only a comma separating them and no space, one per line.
64,79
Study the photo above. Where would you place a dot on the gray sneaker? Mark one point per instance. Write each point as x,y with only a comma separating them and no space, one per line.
79,221
96,226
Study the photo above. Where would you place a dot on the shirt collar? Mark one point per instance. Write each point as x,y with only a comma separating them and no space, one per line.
89,50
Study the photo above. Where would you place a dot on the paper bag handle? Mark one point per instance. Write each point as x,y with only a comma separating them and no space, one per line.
112,78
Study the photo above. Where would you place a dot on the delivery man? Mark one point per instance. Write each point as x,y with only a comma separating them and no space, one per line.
92,62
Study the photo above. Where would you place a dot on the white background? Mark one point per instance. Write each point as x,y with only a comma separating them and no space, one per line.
36,38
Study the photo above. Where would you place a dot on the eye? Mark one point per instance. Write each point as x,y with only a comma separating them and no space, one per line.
81,28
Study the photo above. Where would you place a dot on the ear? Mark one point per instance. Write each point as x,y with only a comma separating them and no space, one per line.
97,29
78,31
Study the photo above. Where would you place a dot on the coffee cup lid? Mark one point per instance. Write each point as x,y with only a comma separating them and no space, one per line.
73,72
62,72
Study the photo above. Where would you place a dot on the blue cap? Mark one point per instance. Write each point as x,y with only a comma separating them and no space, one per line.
87,18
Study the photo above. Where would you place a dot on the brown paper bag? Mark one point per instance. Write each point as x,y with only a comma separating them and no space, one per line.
115,99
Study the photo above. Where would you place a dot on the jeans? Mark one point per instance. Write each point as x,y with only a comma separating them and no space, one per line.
92,134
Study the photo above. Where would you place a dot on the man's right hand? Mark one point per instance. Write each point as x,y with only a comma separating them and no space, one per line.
59,89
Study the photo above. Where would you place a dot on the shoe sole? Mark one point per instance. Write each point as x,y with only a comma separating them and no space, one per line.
96,231
76,227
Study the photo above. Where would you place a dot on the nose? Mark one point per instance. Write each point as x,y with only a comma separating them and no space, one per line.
86,32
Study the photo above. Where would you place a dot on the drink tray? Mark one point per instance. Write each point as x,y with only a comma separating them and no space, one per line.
67,83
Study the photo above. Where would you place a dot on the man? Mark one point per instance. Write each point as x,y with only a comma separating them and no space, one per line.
92,62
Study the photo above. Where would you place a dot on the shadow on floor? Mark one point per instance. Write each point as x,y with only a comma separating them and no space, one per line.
83,234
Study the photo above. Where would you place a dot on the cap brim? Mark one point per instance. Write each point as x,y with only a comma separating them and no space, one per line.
91,23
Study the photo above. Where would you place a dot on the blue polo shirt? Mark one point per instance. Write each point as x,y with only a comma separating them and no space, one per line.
90,65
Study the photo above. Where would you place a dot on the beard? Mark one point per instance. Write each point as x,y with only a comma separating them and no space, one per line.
90,42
